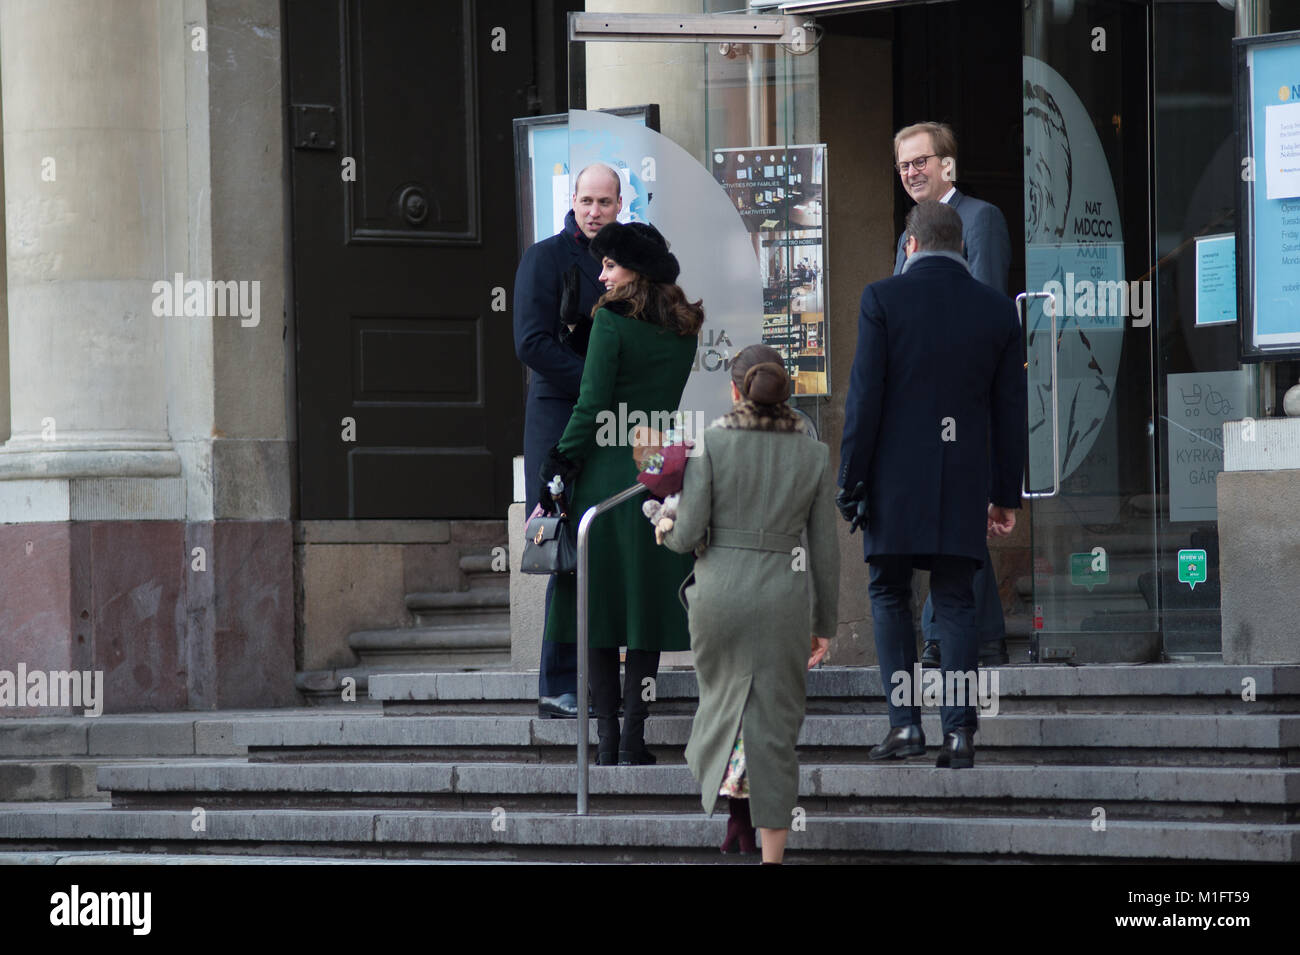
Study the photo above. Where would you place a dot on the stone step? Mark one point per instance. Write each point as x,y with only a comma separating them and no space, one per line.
324,689
482,573
56,758
632,837
1209,794
1073,739
140,734
487,605
486,599
1168,689
479,644
162,858
34,779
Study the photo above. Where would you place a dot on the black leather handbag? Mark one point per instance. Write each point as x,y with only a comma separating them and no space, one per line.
550,546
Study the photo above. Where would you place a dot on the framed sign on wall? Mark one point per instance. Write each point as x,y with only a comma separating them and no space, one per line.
1268,228
779,193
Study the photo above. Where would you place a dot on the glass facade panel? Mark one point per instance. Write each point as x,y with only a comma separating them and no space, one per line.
736,189
1194,179
1087,239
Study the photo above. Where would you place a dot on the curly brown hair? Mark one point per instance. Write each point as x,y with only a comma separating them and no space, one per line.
663,303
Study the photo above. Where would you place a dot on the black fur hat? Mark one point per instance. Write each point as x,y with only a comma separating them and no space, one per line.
637,246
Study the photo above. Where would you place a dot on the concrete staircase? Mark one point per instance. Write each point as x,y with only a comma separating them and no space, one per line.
452,630
52,759
457,766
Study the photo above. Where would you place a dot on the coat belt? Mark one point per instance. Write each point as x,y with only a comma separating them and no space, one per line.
750,540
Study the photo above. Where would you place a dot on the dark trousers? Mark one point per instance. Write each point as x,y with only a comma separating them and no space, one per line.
952,589
559,669
605,689
545,419
990,625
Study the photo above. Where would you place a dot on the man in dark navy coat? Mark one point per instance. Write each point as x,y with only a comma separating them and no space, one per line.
925,155
931,459
555,288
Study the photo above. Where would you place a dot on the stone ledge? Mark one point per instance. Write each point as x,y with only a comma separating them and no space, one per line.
1171,679
162,858
72,464
371,532
1267,732
910,834
69,736
1274,445
1064,783
32,500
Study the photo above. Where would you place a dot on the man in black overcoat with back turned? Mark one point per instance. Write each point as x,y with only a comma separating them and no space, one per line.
925,155
555,288
931,458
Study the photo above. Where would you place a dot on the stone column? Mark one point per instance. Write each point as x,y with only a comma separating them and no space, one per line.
144,140
84,228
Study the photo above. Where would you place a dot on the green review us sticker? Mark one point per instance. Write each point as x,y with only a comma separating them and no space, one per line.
1192,569
1090,569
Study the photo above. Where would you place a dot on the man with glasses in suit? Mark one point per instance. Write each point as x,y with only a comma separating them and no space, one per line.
925,157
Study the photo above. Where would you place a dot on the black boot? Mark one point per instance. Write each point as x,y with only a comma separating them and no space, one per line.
608,743
604,701
641,664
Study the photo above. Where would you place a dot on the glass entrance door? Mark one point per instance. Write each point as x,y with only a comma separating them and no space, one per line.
1091,469
714,137
711,124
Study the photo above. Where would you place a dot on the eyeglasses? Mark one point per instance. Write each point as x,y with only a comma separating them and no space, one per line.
918,164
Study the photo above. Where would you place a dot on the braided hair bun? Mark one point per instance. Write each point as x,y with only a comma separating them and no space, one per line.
758,372
766,384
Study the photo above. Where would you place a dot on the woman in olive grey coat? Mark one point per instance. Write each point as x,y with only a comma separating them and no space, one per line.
758,482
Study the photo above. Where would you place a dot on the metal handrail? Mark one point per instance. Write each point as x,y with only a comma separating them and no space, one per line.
584,720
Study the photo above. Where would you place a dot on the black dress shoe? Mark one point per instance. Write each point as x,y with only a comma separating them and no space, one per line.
900,742
562,707
994,654
930,655
958,750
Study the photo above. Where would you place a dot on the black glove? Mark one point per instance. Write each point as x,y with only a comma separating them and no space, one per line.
578,337
570,312
853,506
556,463
575,327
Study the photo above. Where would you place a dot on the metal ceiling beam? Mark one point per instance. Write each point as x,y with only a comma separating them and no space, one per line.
806,7
685,28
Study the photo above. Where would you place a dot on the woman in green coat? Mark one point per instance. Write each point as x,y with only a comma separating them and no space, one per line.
762,596
641,348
